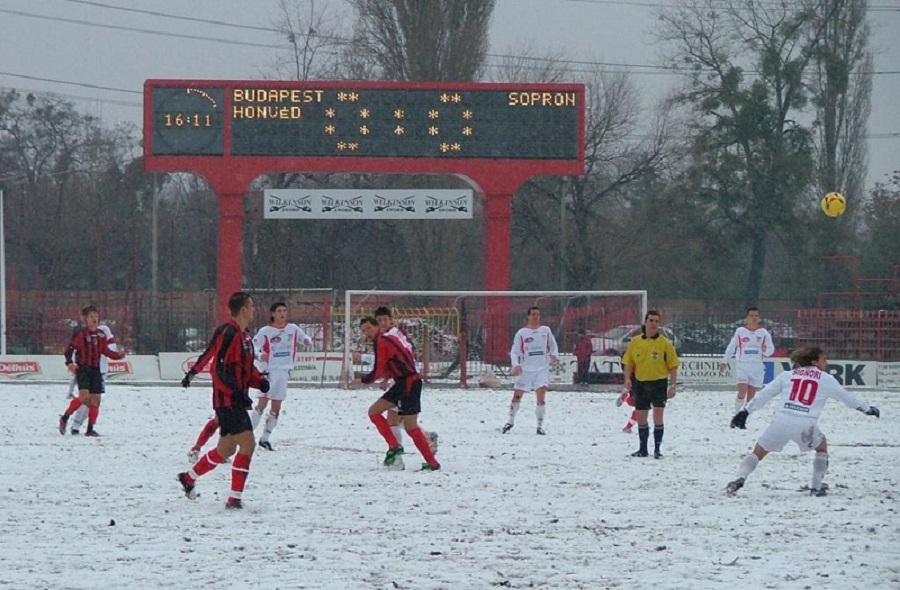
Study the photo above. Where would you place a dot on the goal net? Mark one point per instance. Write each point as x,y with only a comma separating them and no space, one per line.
460,336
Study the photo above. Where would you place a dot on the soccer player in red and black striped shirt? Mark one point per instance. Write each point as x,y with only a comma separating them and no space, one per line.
86,347
233,374
395,361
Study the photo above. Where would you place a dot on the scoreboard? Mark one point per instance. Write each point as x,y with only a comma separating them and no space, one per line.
365,119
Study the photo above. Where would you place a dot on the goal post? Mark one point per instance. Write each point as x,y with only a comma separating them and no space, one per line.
458,335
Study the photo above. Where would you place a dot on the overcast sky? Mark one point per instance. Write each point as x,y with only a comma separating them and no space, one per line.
99,55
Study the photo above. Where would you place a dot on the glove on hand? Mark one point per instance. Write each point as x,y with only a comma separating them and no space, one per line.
740,419
186,382
872,411
264,385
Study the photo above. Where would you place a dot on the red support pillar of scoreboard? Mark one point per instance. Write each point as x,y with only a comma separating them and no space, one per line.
230,272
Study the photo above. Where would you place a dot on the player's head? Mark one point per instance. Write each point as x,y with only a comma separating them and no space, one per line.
809,356
91,317
534,315
753,315
651,323
240,305
384,318
278,311
369,327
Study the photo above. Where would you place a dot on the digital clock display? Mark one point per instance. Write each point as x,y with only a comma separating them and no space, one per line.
188,121
369,119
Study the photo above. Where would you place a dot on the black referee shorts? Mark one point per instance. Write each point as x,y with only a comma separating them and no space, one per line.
649,393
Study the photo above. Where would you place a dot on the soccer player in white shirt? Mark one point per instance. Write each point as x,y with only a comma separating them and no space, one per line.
802,395
749,345
276,347
81,414
534,347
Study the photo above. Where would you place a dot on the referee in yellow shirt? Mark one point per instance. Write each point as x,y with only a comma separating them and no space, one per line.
652,362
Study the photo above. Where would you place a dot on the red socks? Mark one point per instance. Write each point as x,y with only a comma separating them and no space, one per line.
209,429
384,429
422,444
73,407
240,469
93,412
207,463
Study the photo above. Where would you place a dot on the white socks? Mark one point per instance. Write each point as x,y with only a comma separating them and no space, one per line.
540,410
747,466
398,434
79,417
271,423
513,408
738,404
255,417
820,466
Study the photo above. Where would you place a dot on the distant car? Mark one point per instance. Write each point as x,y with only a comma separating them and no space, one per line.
614,342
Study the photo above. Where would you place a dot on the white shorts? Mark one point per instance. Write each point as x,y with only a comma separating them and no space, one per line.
750,373
531,380
784,429
278,381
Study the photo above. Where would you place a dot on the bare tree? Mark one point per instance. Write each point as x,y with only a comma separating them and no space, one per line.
314,42
577,220
842,88
435,40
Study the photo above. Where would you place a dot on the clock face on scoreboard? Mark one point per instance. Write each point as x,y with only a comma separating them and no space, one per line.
188,121
534,122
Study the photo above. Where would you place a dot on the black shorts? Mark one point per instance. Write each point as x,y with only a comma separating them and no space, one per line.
406,394
90,378
649,393
233,421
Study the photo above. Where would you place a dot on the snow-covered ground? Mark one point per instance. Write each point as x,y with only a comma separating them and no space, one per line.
566,510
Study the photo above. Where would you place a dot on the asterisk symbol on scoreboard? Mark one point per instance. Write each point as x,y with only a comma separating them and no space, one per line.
398,114
433,114
341,145
342,96
445,97
364,113
445,147
398,130
432,130
329,129
467,131
457,98
353,96
364,130
456,147
467,114
353,146
329,113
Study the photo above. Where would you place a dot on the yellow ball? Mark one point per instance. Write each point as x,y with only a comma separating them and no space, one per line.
833,204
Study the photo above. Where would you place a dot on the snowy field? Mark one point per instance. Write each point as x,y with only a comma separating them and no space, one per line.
566,510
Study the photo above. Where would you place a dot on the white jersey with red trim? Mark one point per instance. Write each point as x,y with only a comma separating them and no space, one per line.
281,344
532,348
749,346
401,336
803,393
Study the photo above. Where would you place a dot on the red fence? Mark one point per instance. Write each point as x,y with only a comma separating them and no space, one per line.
40,322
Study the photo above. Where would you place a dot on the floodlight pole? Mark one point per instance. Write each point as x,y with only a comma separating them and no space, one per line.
2,279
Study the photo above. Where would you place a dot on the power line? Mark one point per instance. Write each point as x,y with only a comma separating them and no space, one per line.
641,69
80,84
877,8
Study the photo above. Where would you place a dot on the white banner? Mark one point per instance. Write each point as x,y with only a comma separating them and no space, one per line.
53,368
367,204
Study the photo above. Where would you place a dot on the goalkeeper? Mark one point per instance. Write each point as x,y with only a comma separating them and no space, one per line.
802,395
